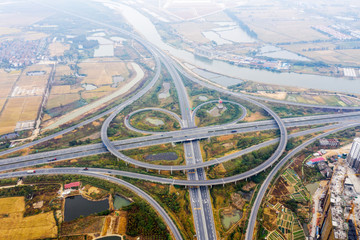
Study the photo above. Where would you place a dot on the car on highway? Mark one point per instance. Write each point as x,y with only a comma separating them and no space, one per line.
51,160
233,131
30,171
85,169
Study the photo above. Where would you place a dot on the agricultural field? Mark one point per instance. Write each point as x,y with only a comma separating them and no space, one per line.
72,96
295,186
7,81
288,227
276,23
58,49
101,73
24,98
192,31
13,225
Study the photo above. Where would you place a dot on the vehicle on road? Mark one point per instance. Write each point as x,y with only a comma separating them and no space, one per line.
51,160
85,169
30,171
233,131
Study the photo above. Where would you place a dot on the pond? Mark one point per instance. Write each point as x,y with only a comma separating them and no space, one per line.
88,86
275,52
229,219
120,202
77,206
110,238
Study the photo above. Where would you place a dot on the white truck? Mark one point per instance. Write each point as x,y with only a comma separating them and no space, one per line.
31,171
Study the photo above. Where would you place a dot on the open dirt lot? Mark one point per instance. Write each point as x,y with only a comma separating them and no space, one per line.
15,226
100,73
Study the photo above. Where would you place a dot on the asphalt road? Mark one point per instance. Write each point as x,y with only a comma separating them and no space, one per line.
94,149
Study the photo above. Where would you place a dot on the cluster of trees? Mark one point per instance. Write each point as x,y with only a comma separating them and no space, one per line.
171,201
251,160
69,79
87,44
17,191
143,221
79,142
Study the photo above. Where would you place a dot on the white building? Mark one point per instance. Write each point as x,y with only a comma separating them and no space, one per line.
353,158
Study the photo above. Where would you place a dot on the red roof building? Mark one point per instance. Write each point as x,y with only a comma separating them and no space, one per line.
315,161
71,185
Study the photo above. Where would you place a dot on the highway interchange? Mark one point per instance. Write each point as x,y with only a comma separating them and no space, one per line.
189,136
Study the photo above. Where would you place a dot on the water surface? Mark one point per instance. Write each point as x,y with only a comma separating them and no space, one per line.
77,206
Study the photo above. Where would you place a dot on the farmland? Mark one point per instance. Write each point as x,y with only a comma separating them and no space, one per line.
14,226
100,85
23,96
101,73
58,49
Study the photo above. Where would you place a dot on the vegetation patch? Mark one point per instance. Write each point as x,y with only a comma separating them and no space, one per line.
211,114
154,121
224,145
164,154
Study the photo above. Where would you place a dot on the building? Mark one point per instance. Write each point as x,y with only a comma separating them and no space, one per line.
353,158
329,143
314,161
72,185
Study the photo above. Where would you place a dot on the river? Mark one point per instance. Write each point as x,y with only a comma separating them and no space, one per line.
145,27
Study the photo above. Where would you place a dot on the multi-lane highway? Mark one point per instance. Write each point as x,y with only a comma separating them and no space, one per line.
199,195
94,149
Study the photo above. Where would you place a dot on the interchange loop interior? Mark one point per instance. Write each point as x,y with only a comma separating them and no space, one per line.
130,127
241,117
174,70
